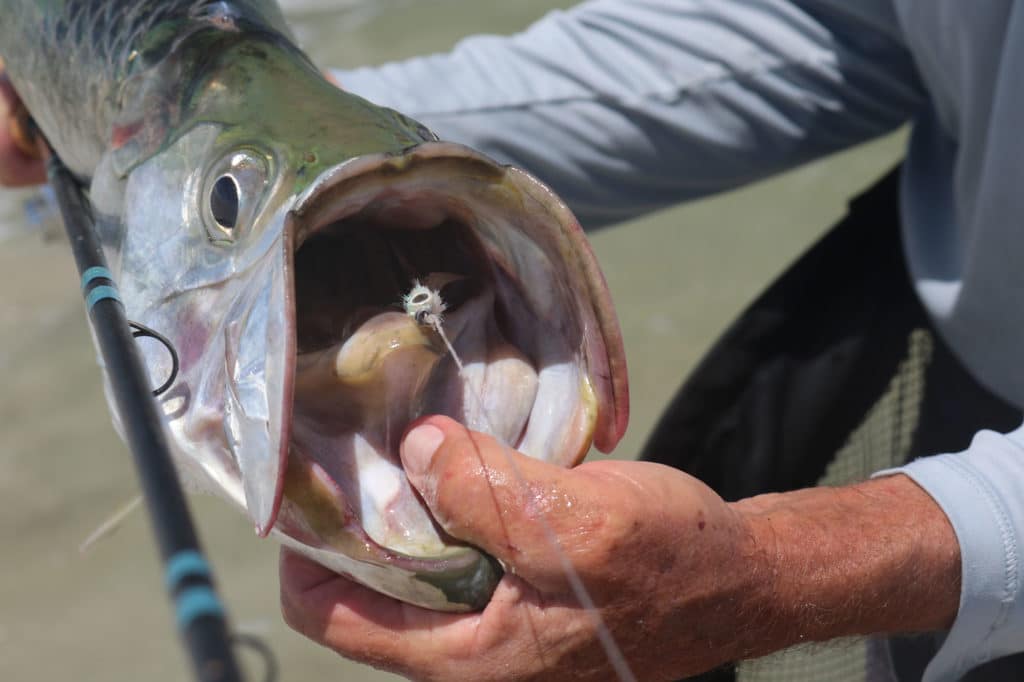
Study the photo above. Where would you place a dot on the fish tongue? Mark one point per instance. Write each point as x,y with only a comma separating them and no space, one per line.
372,376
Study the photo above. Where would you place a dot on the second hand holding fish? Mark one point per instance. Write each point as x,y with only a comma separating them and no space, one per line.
671,567
643,570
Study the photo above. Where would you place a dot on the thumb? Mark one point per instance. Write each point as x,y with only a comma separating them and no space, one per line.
486,493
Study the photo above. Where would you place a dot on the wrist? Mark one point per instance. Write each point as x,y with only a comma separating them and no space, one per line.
876,557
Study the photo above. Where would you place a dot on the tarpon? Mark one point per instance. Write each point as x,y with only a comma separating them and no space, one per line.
269,224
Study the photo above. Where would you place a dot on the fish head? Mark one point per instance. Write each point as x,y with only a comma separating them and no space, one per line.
276,251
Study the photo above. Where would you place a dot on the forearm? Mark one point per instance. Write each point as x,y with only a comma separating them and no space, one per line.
625,107
876,557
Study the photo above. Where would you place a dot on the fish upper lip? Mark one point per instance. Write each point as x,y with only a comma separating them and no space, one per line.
259,362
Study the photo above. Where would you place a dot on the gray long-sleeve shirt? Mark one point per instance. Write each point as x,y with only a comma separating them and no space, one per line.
626,106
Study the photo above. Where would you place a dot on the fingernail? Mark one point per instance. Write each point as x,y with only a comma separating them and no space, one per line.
418,448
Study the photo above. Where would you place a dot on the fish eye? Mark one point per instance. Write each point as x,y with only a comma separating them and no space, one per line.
234,194
224,202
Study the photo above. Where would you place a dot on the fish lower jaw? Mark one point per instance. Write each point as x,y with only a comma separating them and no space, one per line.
316,520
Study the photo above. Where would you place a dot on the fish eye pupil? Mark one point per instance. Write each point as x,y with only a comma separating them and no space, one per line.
224,202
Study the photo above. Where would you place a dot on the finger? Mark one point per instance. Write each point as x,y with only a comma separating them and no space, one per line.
362,624
26,136
500,500
16,169
19,161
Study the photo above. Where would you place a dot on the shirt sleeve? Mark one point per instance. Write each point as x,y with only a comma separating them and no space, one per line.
981,490
627,106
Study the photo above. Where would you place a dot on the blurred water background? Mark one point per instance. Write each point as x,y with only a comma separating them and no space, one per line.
678,277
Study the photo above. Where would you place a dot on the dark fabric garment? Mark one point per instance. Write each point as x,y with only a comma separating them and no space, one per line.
782,390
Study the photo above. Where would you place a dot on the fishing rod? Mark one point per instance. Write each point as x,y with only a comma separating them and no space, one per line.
199,612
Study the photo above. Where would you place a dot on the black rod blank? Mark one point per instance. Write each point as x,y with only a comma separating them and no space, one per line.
199,611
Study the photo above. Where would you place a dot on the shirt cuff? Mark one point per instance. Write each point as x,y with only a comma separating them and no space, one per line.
981,490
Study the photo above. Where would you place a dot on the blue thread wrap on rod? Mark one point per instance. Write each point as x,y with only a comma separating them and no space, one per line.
194,603
187,563
101,293
94,273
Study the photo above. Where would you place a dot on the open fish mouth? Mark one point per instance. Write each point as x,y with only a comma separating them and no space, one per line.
526,310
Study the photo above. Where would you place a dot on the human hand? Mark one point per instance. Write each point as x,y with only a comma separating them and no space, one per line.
671,568
20,164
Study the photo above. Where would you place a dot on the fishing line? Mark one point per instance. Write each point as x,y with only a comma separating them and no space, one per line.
111,525
427,307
